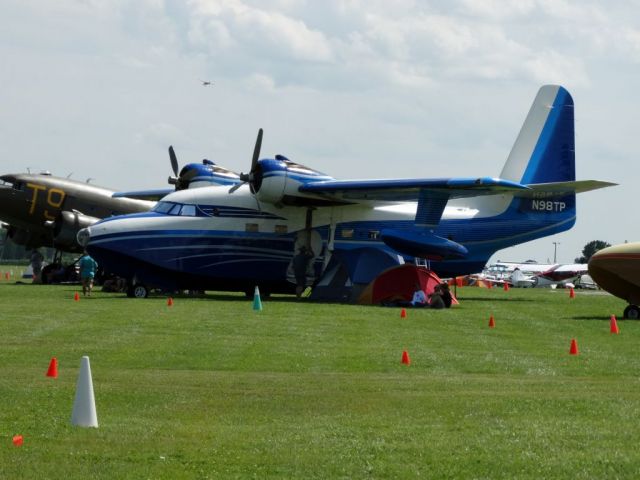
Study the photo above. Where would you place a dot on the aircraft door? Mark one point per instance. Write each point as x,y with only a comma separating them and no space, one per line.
307,248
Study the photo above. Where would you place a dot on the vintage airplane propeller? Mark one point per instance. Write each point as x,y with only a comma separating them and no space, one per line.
253,178
180,181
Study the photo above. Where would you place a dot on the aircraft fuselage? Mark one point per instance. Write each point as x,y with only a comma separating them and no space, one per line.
31,204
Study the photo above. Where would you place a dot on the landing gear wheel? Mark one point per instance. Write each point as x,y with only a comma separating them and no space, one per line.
140,291
137,291
632,312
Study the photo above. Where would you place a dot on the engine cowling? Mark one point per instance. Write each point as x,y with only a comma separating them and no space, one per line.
277,181
66,228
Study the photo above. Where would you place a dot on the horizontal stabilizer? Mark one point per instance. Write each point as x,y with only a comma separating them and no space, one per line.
558,189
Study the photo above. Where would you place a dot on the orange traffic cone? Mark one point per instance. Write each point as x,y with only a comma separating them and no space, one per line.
169,302
613,325
405,358
403,313
53,368
18,440
574,347
76,297
492,322
506,287
572,293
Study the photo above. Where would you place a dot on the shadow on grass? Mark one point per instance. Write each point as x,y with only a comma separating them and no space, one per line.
592,317
496,299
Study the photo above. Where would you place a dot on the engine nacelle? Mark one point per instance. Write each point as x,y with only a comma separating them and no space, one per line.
66,228
277,181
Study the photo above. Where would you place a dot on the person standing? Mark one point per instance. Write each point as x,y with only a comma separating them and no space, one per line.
88,267
36,265
300,265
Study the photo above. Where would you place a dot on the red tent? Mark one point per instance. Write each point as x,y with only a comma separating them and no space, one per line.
399,283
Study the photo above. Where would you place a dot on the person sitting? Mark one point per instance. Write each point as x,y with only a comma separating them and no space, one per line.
446,295
435,299
419,297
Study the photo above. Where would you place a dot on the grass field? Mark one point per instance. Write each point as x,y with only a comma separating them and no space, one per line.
209,388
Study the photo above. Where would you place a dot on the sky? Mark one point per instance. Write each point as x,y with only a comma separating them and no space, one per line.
353,88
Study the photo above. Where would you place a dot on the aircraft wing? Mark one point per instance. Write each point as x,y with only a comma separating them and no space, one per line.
153,195
402,190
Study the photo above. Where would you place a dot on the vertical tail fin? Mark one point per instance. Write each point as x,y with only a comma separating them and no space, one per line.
545,148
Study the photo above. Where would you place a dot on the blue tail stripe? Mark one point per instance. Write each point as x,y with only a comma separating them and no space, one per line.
553,159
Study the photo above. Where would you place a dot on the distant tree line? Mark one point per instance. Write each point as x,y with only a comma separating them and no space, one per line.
591,248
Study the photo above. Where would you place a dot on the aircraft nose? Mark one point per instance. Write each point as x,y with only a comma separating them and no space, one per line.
83,236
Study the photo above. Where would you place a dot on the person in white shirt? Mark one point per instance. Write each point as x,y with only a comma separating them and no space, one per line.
419,297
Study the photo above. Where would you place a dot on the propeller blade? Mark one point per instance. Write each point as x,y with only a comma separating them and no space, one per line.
174,160
256,151
236,186
248,177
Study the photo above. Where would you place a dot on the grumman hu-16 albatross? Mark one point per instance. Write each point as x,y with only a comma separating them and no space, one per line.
235,238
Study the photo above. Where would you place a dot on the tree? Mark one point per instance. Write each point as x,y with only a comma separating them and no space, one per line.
590,248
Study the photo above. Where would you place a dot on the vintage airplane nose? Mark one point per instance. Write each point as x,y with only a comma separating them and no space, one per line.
83,236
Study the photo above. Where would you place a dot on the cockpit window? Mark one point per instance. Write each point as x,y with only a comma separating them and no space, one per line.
188,210
171,208
163,207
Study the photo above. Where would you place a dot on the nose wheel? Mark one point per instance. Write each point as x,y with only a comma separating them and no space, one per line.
137,290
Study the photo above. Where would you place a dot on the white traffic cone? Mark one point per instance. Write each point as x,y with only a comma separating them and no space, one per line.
84,406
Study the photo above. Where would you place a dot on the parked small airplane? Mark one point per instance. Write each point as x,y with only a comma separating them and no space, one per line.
616,269
235,238
530,274
559,274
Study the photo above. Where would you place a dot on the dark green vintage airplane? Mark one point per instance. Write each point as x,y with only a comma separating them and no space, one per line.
41,210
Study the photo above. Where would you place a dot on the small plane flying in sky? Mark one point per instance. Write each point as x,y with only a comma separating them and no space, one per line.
250,234
616,269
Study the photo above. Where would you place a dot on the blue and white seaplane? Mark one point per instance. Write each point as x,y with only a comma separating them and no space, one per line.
247,232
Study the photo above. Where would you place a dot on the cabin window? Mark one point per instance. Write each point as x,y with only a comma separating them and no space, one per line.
188,211
281,229
175,210
374,234
347,233
251,227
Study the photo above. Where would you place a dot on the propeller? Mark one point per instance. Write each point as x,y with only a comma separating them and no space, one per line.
180,181
251,176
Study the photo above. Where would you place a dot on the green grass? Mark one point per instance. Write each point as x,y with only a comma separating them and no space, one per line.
211,389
